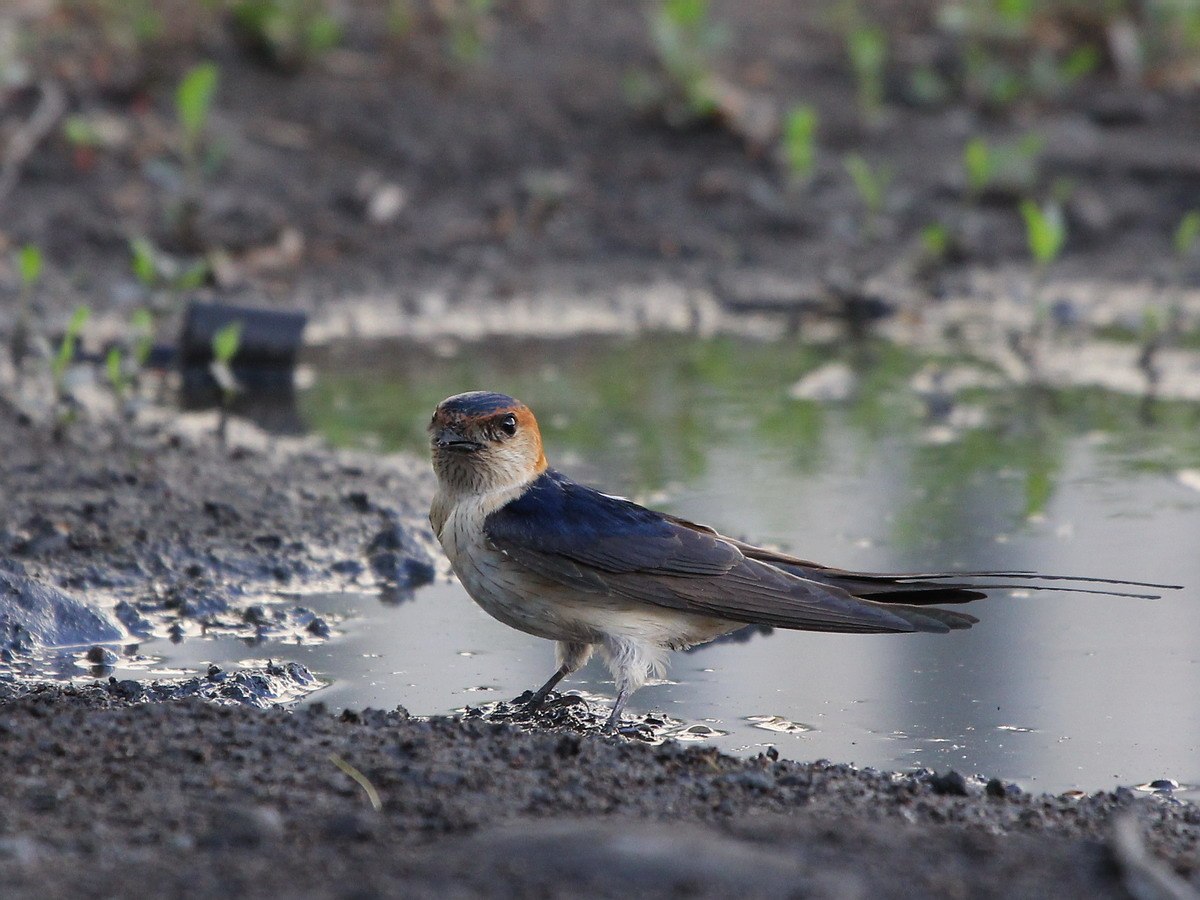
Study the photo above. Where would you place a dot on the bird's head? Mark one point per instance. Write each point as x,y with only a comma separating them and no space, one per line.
483,442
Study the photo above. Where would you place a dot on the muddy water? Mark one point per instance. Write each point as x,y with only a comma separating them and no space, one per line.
876,459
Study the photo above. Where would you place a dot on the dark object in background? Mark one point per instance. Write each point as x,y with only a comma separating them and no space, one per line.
270,339
264,365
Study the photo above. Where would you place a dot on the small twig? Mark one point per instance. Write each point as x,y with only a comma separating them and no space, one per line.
1144,876
49,110
361,779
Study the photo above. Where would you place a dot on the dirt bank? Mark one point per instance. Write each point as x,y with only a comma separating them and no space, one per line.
385,181
188,799
120,788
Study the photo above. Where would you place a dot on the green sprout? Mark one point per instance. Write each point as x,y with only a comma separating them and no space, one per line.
979,165
80,132
21,340
225,344
935,240
1187,234
467,21
165,278
67,349
193,105
118,378
800,141
287,33
872,186
143,255
1045,231
684,39
226,341
128,24
141,324
29,264
866,45
1010,167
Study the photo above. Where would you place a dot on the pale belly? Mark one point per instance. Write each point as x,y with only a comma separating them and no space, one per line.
528,602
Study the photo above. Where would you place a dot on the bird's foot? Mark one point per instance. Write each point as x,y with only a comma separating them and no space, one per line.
533,701
530,701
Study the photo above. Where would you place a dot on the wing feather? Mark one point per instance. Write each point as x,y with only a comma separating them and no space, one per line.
594,543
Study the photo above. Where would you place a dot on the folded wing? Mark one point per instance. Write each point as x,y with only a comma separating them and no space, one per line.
596,544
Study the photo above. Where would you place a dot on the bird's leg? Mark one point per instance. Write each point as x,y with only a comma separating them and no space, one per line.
614,718
539,696
571,658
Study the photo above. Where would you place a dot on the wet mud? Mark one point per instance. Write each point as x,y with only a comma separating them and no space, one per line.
192,799
184,788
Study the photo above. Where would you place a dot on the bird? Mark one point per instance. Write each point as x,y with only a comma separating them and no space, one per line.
595,572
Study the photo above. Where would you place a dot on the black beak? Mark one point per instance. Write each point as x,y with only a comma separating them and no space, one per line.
449,439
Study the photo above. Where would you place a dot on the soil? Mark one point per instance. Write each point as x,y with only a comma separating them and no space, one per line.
192,799
185,788
386,180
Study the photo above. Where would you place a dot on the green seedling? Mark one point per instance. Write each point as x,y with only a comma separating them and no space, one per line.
979,165
118,379
1187,234
130,23
1004,168
1045,232
22,338
68,347
800,142
866,45
143,256
225,344
935,241
467,22
287,33
684,39
80,133
401,18
193,106
141,324
872,186
29,265
123,365
165,278
1158,330
927,87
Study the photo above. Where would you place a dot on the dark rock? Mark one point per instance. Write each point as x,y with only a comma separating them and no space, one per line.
399,559
42,537
129,616
951,784
348,567
242,828
101,656
318,627
350,826
757,781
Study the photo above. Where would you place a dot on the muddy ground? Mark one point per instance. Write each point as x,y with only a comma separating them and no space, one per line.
185,789
385,182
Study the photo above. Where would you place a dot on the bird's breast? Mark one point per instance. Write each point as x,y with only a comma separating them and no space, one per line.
501,587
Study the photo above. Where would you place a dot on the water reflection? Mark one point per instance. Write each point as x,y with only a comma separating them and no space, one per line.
1055,689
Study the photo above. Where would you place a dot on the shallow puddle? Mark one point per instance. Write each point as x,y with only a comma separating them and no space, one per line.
895,462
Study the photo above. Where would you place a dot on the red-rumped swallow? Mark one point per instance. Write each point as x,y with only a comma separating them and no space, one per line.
565,562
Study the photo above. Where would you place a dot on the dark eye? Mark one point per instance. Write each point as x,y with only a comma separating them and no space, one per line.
509,424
